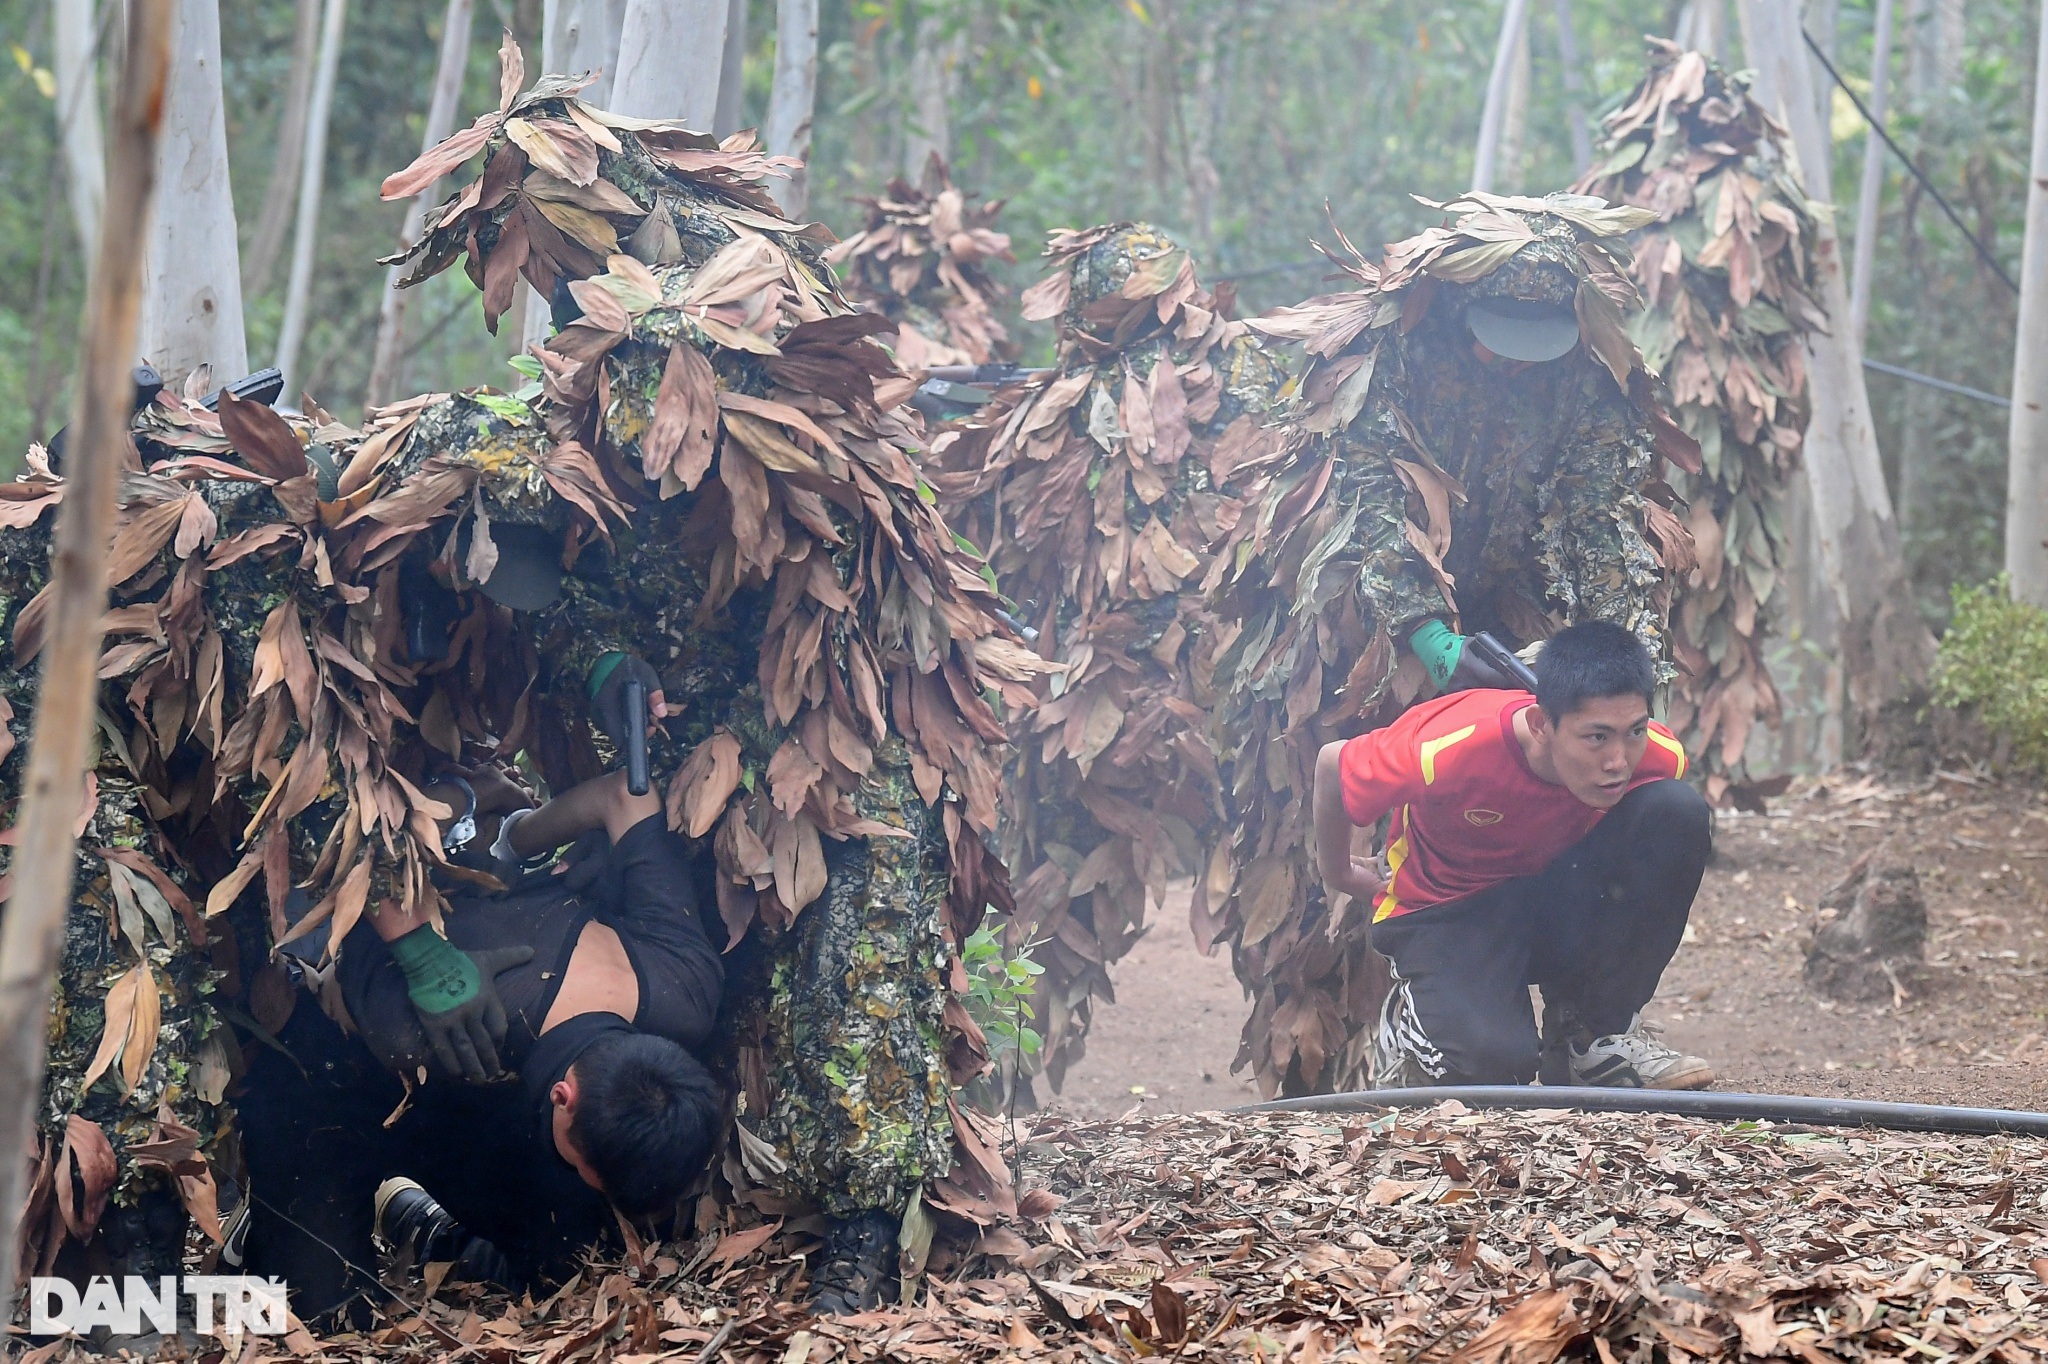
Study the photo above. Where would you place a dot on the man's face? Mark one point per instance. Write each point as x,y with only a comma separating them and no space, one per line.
1596,748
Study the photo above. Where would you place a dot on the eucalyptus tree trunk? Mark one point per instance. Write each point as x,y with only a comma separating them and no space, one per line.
2026,486
793,101
298,294
191,272
78,115
1886,648
929,127
1574,88
266,243
583,35
731,113
1514,120
67,700
387,362
1493,115
671,58
1870,192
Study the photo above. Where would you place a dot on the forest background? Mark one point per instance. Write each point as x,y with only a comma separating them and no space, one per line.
1231,122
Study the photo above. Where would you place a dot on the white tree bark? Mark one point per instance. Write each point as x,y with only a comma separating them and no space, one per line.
386,365
1574,88
1493,115
192,278
671,55
929,127
583,35
2026,495
298,294
731,114
1886,648
1869,193
266,243
1514,119
1703,27
792,102
1822,19
73,26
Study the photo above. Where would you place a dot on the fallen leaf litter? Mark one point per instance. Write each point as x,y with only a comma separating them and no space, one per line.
1441,1234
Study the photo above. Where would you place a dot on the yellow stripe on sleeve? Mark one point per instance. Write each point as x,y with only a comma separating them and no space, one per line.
1397,853
1675,748
1432,747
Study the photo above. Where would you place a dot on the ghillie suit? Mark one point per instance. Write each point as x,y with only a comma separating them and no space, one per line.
138,1058
1727,276
920,261
1099,490
718,432
1424,478
304,621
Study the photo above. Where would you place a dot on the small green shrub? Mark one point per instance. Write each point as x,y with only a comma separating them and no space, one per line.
1995,657
999,993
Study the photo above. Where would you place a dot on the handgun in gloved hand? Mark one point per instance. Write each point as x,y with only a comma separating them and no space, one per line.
1454,664
625,697
455,994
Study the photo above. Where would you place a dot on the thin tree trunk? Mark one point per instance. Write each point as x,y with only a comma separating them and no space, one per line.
1514,123
32,930
78,115
191,269
298,295
1821,19
583,35
2026,486
1870,192
1203,180
267,242
671,57
731,115
1886,648
387,361
1574,88
1486,156
930,126
792,103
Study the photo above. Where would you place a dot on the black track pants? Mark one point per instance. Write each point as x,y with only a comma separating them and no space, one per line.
1595,929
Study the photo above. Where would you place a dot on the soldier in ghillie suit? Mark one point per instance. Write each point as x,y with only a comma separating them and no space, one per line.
920,260
138,1060
1099,489
1726,271
717,471
1469,450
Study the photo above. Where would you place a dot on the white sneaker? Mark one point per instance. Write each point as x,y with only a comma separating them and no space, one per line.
1635,1059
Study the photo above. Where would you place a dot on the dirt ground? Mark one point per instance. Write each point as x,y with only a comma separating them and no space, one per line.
1971,1034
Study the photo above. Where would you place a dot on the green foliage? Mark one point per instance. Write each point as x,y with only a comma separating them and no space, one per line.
999,993
1995,657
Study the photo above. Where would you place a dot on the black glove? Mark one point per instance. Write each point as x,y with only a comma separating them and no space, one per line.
455,994
608,678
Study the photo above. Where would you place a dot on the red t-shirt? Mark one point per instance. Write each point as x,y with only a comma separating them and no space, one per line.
1468,811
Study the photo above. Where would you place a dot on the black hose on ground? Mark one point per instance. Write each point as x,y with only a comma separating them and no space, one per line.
1795,1108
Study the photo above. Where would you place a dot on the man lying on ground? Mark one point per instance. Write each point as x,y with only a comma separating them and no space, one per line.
591,982
1540,840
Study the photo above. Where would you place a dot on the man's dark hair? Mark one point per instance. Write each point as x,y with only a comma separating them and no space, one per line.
647,1113
1588,662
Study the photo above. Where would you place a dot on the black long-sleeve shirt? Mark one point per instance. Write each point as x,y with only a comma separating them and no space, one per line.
646,894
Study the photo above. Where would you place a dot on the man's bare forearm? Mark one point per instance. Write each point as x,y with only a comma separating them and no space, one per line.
601,803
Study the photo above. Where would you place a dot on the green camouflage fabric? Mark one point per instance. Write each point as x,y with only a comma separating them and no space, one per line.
1099,491
1422,477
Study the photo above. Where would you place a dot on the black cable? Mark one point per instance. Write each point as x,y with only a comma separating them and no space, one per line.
1685,1104
1983,251
1945,385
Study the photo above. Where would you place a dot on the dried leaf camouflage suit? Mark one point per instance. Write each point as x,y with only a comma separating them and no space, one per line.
832,649
1099,489
1422,478
1726,272
920,260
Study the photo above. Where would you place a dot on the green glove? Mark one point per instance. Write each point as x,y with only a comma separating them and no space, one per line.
1439,648
455,994
1449,663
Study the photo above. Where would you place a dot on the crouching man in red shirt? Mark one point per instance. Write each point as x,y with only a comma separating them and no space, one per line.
1540,840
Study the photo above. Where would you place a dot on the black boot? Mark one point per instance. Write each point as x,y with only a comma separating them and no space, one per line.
410,1220
1562,1031
856,1271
